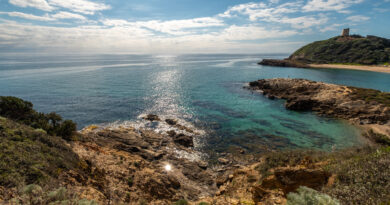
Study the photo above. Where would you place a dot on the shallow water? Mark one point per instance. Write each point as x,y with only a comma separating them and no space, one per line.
204,91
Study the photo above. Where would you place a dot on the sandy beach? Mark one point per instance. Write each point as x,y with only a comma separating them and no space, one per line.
381,69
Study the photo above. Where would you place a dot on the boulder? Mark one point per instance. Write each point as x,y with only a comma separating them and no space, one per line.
223,160
152,117
171,121
184,140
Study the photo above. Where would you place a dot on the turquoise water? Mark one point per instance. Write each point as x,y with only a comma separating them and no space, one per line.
203,90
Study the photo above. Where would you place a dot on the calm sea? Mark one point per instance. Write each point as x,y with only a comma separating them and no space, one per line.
204,91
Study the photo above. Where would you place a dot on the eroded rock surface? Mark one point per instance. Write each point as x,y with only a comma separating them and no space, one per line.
362,106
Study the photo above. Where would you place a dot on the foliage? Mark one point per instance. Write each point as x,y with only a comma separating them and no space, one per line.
362,174
181,202
34,195
22,111
288,158
31,156
371,95
363,178
307,196
354,49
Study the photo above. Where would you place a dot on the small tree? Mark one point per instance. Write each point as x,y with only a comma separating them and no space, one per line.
67,129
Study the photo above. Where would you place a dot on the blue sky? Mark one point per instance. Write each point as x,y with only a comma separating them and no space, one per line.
182,26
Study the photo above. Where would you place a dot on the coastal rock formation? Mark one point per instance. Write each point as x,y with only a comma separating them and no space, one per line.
366,107
363,105
283,63
134,162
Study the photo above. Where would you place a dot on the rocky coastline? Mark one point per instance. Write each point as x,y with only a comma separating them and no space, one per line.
365,107
283,63
129,165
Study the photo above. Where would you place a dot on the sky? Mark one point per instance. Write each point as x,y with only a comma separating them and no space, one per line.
182,26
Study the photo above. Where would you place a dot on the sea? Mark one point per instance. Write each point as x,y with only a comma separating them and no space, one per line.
203,91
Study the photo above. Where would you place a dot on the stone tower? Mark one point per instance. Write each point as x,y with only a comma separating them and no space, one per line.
345,32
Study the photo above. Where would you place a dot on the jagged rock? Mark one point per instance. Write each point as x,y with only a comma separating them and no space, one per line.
160,186
171,121
301,105
184,140
171,133
289,179
203,164
223,160
152,117
366,105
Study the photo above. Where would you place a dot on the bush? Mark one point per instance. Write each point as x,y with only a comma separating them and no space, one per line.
181,202
66,129
30,156
34,195
307,196
22,111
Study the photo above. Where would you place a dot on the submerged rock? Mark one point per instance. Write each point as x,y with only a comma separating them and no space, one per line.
152,117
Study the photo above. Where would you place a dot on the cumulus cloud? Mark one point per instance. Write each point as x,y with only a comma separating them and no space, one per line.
329,5
80,6
68,15
46,17
358,18
173,27
28,16
39,4
248,26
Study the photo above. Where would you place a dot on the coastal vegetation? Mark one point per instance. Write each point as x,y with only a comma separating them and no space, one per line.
22,111
354,49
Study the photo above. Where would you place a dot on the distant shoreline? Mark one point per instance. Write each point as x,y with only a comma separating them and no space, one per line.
297,64
381,69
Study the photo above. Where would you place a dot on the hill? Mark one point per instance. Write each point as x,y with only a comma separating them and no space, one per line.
354,49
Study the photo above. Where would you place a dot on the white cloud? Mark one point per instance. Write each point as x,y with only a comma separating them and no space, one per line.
28,16
46,17
67,15
173,27
279,14
303,22
358,18
252,32
333,27
80,6
39,4
330,5
133,39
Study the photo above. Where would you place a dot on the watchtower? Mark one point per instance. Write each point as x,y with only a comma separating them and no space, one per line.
345,32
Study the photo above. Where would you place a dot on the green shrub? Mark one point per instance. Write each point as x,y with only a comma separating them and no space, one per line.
181,202
34,195
22,111
66,129
203,203
307,196
30,156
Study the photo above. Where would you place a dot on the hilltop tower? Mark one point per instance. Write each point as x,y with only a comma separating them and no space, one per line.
345,32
